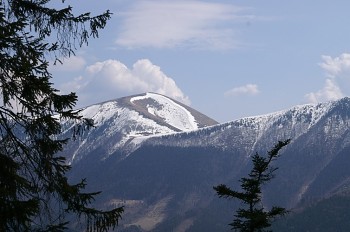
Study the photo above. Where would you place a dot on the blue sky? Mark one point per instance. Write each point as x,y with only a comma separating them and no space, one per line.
227,59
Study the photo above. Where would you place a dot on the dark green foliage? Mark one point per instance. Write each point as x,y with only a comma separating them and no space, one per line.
254,217
34,191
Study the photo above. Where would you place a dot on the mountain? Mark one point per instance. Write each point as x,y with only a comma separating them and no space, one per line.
121,124
163,169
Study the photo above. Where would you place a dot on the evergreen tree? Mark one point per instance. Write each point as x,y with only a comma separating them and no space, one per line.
34,191
253,217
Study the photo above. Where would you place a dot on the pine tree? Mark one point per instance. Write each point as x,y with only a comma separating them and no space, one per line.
34,191
253,217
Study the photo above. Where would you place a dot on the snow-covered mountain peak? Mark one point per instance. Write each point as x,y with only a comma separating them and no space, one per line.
125,122
167,109
101,112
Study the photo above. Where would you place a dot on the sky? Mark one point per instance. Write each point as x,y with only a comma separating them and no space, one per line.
226,59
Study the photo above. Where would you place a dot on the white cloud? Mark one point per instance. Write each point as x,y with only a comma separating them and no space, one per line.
112,79
336,66
194,24
249,89
330,91
337,84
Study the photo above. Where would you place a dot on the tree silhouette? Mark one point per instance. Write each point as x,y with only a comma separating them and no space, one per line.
253,217
34,191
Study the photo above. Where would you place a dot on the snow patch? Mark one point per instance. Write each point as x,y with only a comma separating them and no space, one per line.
172,113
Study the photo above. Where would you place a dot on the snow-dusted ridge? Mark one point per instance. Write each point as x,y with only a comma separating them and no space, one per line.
284,124
310,113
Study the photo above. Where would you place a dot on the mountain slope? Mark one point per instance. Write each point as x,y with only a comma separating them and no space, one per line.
166,181
123,123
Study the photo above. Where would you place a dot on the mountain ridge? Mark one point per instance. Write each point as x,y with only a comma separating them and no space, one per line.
303,116
166,181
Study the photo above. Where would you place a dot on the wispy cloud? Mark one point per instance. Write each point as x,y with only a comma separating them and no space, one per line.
249,89
337,83
193,24
110,79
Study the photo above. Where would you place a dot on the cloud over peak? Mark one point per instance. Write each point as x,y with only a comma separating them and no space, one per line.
167,24
110,79
329,92
337,83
